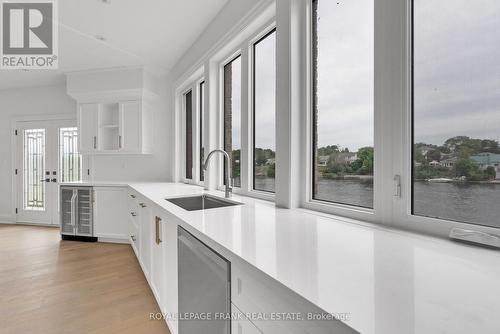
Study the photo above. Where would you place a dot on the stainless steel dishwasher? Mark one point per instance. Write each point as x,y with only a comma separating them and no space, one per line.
204,288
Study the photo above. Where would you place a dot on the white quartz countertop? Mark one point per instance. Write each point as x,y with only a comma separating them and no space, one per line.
95,184
388,281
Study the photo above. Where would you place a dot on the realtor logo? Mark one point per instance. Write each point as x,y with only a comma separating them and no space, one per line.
29,34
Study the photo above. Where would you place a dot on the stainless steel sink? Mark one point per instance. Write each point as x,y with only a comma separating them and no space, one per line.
201,202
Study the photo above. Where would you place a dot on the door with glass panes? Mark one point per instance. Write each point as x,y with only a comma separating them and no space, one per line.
47,154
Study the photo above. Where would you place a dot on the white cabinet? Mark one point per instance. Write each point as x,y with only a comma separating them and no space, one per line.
157,257
130,118
146,235
252,292
169,240
110,220
87,125
121,127
240,324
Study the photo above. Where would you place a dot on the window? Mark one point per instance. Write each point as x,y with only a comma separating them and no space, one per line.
202,124
70,160
264,115
456,119
343,101
33,169
232,117
189,134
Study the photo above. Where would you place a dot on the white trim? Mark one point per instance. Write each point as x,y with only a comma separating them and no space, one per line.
402,217
113,239
263,9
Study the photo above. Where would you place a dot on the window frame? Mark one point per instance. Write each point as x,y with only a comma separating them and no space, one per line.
201,130
256,40
402,211
308,201
191,84
185,99
222,133
242,49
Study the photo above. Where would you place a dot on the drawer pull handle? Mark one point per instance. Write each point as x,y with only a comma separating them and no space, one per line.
133,196
158,229
143,205
133,214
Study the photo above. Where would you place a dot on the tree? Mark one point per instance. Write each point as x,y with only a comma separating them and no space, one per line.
433,154
490,172
271,170
467,168
364,164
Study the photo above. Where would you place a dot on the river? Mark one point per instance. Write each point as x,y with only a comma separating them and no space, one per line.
465,202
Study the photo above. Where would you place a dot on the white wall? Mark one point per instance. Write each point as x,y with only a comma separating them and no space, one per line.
54,100
18,103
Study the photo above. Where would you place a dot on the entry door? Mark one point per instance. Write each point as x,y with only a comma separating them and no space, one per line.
47,154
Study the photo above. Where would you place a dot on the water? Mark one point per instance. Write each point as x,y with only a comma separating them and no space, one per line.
476,203
353,192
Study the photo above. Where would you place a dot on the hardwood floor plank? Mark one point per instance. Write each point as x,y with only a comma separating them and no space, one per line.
67,287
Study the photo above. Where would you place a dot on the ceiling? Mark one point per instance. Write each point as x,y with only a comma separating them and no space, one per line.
152,33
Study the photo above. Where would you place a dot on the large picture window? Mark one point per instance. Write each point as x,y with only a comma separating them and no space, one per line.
264,104
456,104
343,102
232,117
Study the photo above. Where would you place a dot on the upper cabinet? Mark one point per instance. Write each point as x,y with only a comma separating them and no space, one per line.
122,127
116,108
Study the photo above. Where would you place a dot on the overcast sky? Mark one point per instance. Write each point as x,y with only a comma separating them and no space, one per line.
457,71
345,73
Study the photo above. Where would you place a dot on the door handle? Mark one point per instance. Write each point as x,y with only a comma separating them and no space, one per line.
45,180
95,142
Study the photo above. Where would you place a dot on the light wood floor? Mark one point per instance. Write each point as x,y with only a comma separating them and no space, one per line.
49,286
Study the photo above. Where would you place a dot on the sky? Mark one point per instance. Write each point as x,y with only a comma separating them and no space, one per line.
457,74
457,71
345,73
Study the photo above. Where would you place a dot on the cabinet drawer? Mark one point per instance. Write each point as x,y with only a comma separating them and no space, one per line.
276,306
240,324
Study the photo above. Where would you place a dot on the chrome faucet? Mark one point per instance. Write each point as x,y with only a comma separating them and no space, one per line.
227,177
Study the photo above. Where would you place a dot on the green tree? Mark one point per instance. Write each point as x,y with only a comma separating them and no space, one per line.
271,170
490,172
364,164
433,154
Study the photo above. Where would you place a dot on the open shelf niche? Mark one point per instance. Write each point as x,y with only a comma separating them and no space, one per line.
108,123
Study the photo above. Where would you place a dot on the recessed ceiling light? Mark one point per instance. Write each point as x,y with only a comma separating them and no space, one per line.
100,38
105,1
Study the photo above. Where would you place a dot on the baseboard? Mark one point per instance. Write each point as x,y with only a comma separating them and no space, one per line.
7,219
114,240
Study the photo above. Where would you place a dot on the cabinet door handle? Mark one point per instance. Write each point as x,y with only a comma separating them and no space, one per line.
143,205
133,214
132,237
95,142
158,229
120,141
133,196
